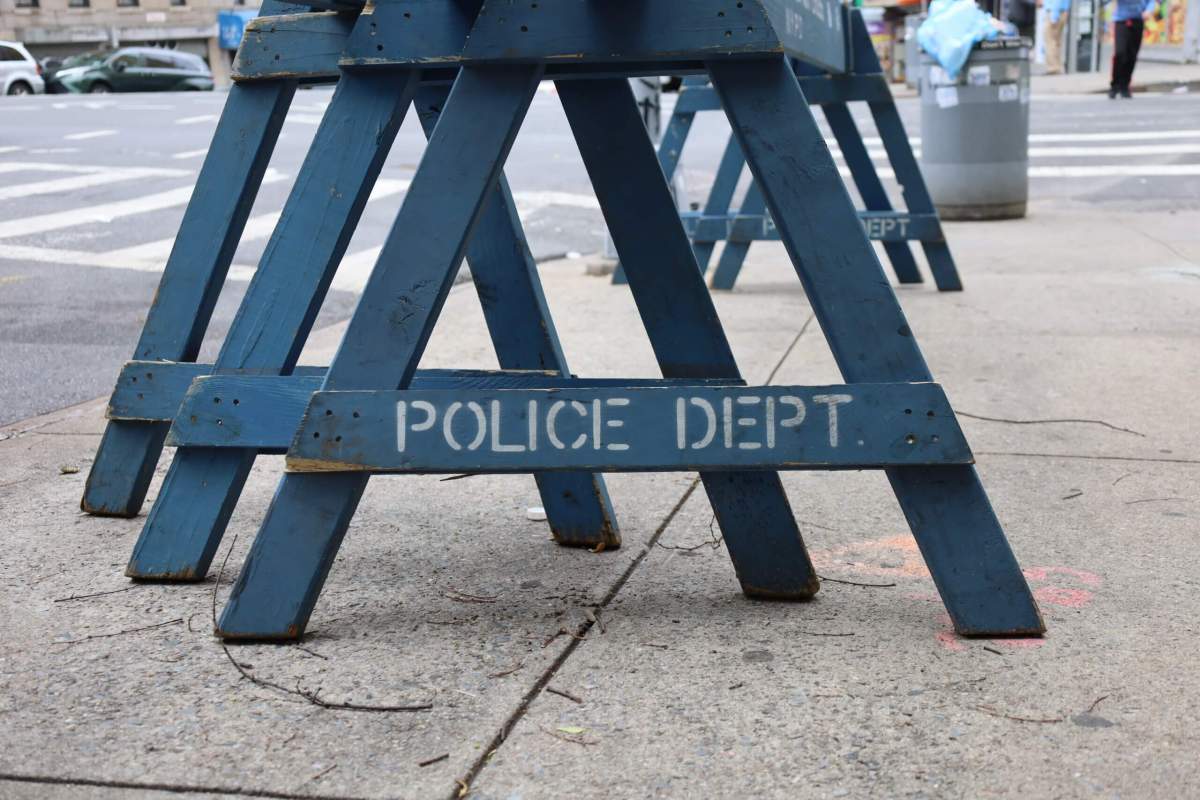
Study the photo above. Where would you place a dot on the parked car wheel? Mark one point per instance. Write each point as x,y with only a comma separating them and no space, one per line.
99,87
20,87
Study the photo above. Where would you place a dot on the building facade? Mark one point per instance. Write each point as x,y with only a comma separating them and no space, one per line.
58,28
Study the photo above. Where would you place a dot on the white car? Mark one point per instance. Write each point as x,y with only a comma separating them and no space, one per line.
19,71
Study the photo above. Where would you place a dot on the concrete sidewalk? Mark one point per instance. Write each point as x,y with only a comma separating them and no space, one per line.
1150,76
643,672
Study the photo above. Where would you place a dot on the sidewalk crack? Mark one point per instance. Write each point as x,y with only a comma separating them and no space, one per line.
463,785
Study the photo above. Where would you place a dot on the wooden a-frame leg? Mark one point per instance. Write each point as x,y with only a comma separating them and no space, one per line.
308,517
760,531
669,152
870,187
729,266
577,505
187,521
916,194
191,282
947,509
900,155
733,164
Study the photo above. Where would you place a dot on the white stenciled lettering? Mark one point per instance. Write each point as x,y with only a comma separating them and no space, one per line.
727,418
832,401
480,421
533,425
800,411
402,426
748,422
710,416
596,424
770,426
681,423
552,424
497,446
615,402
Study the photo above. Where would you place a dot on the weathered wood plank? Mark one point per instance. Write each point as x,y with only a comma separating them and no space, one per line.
629,429
685,332
578,508
946,507
744,225
292,46
212,224
202,486
264,412
408,32
874,196
309,514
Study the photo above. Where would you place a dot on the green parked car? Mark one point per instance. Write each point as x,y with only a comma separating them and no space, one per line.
131,69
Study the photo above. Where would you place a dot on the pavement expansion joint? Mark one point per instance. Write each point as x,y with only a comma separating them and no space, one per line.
174,788
586,626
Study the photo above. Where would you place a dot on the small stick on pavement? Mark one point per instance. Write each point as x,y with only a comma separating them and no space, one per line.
89,637
563,693
431,761
856,583
1097,702
505,672
323,772
1016,718
95,594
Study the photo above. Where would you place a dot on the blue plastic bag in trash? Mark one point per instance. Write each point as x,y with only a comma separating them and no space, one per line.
952,29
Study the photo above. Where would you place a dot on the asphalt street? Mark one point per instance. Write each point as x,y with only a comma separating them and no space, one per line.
92,191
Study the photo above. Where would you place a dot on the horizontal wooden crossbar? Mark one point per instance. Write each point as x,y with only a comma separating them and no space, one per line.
629,428
263,412
818,90
882,226
155,391
435,34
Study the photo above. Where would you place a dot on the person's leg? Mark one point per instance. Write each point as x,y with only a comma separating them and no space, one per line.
1134,45
1120,57
1054,58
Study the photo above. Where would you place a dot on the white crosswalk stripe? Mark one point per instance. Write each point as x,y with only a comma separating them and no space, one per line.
138,191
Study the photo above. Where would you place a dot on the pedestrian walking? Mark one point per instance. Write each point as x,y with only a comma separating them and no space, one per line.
1129,23
1057,13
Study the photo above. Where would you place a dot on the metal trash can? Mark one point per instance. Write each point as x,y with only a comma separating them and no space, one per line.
975,132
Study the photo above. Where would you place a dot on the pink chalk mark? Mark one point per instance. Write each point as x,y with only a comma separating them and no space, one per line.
1042,573
1058,596
950,641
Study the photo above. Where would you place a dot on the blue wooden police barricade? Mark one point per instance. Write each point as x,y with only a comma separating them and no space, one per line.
865,82
373,411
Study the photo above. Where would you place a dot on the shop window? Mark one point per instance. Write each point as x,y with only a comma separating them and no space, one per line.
79,3
27,3
128,3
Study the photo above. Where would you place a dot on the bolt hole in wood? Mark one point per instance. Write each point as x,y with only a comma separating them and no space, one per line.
910,439
237,402
216,401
